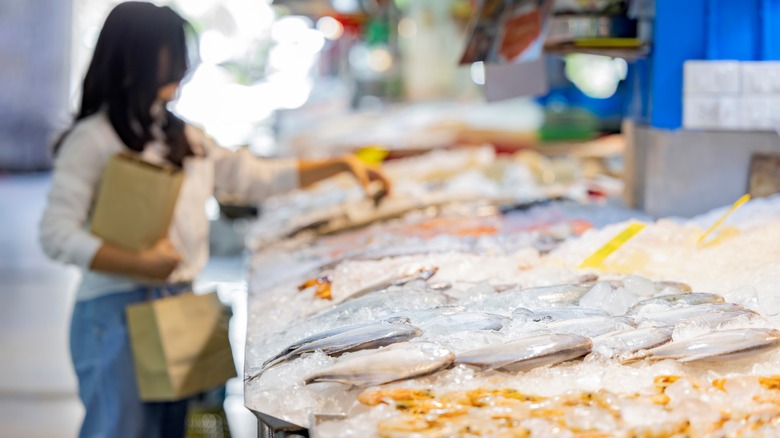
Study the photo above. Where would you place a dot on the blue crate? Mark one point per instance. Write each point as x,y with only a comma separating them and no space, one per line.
742,30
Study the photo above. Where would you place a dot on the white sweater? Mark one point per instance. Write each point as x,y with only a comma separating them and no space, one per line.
76,177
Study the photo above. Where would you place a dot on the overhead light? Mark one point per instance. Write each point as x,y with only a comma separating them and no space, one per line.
380,59
330,28
478,73
407,28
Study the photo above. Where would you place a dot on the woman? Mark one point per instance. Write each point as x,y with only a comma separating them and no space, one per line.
139,60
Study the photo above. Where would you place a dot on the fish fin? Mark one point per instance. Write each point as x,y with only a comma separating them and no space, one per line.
398,320
254,376
499,365
325,379
691,358
631,359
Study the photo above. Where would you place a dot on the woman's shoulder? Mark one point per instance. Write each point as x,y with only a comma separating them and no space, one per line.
95,125
92,134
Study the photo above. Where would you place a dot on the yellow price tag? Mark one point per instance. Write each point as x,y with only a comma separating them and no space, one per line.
723,218
372,155
598,257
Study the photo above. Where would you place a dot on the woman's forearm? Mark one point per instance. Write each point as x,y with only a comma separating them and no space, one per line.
156,263
310,172
113,260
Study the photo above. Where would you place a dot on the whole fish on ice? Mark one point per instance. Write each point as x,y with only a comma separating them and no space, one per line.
382,303
622,342
346,339
674,301
719,346
423,273
550,314
673,316
390,364
423,316
527,353
534,298
591,326
465,321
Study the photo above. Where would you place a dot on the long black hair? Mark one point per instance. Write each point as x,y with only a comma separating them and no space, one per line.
141,48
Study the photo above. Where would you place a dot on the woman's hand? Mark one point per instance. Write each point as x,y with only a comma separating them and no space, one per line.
366,174
310,172
156,263
159,262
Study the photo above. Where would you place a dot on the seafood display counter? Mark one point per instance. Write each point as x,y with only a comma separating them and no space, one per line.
473,320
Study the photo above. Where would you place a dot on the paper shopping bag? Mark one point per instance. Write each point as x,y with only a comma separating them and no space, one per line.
135,202
180,346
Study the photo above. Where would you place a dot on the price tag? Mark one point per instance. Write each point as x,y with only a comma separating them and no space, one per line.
720,221
598,257
372,155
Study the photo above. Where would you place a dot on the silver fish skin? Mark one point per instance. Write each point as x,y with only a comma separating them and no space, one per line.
714,320
676,300
591,326
329,333
358,337
527,353
384,303
419,317
673,316
466,321
621,342
391,364
719,346
550,314
423,273
659,286
533,298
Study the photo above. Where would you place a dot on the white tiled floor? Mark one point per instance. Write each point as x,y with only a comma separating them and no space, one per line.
37,384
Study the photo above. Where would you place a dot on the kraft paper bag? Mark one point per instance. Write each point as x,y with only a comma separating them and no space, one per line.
180,346
135,202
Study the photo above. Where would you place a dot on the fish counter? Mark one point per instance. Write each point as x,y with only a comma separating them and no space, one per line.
473,320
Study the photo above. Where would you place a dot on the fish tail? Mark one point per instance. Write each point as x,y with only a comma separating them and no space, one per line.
254,376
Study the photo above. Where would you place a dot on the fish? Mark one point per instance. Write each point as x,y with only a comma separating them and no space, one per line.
464,321
332,332
658,286
673,316
418,317
527,353
622,342
390,364
346,339
676,300
549,314
382,303
714,320
591,326
718,346
423,273
533,298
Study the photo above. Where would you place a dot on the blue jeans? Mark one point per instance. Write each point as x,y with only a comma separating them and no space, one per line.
100,348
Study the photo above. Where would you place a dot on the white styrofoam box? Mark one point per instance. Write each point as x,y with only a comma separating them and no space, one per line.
712,77
774,113
760,77
700,112
757,112
729,113
707,112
